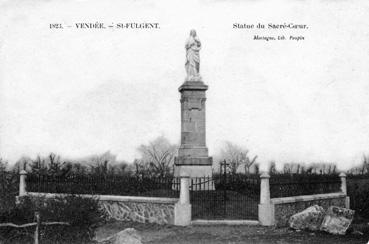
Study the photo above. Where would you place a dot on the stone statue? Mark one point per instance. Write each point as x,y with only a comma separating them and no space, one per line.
192,65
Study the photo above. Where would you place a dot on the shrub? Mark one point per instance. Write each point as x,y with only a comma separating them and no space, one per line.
9,183
83,215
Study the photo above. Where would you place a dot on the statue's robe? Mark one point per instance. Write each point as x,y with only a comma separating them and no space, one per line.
192,65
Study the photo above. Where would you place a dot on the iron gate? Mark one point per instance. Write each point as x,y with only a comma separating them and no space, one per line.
225,196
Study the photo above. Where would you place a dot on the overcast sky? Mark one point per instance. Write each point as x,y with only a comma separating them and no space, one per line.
81,92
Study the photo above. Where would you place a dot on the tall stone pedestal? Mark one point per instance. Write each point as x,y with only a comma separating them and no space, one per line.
193,158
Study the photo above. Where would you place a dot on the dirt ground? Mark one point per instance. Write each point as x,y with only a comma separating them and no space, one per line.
159,234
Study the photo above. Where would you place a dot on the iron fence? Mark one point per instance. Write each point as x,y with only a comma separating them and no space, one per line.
358,191
105,185
225,197
297,184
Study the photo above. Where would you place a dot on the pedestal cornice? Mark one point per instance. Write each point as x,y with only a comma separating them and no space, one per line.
193,85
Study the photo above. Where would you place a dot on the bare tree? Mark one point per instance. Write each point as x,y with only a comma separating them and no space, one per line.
99,163
247,162
141,168
236,156
79,168
39,166
288,168
56,166
106,164
50,165
157,156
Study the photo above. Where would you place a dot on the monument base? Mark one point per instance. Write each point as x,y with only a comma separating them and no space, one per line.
193,171
193,158
200,176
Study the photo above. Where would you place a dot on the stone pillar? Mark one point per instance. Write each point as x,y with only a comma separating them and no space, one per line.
193,158
266,208
264,188
344,189
182,209
22,183
184,197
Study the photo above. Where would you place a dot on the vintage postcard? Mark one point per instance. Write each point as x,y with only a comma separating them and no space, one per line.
138,121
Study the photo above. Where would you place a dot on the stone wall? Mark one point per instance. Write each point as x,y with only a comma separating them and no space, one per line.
127,208
144,212
285,207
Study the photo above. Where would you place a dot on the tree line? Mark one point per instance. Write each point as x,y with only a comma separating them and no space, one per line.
156,159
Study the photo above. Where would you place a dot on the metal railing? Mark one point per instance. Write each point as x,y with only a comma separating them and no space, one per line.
225,197
104,185
297,185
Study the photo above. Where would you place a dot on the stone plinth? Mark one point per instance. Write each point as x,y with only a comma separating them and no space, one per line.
193,158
